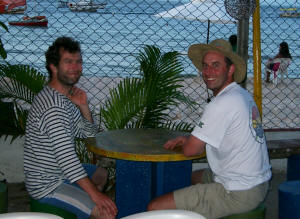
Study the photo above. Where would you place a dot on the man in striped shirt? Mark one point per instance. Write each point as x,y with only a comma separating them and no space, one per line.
59,114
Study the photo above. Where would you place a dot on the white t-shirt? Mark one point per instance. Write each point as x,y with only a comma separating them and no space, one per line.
235,143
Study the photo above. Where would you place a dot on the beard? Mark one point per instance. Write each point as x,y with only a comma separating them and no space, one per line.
67,80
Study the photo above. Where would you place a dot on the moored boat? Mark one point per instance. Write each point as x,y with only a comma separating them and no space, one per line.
289,12
12,6
62,4
36,21
86,5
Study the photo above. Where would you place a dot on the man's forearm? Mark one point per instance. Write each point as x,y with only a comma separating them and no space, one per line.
87,185
86,113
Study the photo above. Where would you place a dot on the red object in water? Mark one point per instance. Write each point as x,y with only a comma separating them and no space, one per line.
36,21
12,6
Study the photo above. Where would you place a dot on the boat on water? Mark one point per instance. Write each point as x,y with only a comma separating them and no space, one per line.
62,4
12,6
36,21
289,12
86,6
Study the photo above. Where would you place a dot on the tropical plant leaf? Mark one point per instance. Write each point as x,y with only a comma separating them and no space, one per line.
125,106
84,155
3,26
178,126
146,102
20,82
3,53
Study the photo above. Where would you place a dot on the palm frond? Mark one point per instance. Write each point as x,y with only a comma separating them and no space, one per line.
162,73
20,82
147,101
125,105
178,126
3,53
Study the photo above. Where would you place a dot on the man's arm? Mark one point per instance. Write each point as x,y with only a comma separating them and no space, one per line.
103,202
190,145
79,98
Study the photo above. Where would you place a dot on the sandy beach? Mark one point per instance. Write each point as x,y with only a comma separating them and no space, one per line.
280,103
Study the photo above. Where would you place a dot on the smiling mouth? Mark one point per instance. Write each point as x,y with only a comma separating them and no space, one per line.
211,79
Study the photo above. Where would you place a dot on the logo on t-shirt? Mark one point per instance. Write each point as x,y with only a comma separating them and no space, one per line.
255,123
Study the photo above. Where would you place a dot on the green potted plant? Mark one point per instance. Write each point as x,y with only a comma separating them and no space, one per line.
146,101
18,84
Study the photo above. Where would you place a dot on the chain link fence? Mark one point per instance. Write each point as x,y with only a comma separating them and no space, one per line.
112,37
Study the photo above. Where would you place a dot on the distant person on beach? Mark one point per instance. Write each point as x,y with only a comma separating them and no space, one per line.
284,52
59,114
233,41
230,130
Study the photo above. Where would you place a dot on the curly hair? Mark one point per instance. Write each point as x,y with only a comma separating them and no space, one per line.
284,50
53,54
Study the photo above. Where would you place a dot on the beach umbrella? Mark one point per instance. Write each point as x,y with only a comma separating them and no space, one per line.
210,11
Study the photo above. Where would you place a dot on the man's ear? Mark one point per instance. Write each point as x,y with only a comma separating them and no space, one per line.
53,70
231,70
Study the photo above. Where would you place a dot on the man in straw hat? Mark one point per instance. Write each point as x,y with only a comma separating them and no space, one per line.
230,130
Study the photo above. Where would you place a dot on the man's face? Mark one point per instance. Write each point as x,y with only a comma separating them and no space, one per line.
69,68
216,74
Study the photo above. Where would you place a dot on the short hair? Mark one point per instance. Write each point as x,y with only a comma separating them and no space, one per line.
233,40
53,54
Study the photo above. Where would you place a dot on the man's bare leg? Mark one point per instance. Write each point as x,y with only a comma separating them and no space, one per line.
97,214
162,202
99,178
196,176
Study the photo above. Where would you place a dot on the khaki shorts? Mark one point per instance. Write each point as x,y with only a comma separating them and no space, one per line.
211,200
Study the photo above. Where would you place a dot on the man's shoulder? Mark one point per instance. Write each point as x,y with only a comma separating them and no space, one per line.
48,98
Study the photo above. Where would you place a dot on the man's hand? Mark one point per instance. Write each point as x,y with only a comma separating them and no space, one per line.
105,205
176,142
190,145
78,96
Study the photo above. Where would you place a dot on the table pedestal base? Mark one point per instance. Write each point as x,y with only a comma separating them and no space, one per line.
137,183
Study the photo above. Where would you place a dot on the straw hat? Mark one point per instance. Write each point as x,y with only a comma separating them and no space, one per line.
197,51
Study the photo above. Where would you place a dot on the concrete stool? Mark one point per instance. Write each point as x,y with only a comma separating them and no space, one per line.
36,206
257,213
3,197
289,199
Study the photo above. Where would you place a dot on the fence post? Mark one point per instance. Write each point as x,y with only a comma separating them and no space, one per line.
257,87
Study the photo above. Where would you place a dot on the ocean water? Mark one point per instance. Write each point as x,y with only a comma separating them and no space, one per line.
112,38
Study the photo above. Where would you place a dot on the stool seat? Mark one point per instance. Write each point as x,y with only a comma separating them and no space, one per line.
289,199
257,213
36,206
29,215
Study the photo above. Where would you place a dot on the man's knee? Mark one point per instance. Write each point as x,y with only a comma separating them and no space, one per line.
152,205
163,202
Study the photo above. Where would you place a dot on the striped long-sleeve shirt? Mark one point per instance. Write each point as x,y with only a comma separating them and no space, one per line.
49,154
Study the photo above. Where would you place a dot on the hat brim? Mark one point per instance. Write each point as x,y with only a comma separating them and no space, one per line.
197,51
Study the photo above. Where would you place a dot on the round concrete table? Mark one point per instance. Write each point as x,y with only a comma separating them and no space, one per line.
144,168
